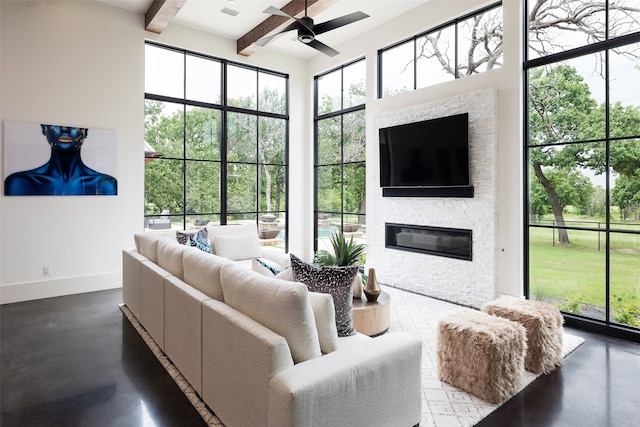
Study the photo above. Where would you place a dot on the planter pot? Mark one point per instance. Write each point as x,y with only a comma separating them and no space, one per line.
347,228
268,218
269,233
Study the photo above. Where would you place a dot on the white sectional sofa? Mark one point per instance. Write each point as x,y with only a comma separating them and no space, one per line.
262,351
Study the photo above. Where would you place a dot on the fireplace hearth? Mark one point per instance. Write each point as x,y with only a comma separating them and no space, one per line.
438,241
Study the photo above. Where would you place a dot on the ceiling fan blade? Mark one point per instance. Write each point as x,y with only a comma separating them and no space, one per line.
332,24
265,40
304,21
275,11
329,51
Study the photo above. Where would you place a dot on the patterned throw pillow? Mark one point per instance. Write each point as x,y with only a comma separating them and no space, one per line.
337,281
183,236
197,240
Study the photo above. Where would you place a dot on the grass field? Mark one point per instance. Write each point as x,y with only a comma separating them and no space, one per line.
576,272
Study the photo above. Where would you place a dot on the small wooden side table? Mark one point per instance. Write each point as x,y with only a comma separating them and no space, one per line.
372,318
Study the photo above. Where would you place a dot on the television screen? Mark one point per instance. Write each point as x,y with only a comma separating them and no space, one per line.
430,153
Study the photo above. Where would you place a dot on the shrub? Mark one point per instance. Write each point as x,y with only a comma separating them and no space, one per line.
625,309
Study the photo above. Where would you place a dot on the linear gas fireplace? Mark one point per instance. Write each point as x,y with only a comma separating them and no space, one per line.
445,242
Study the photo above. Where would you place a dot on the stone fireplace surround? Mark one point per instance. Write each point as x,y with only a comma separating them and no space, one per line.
470,283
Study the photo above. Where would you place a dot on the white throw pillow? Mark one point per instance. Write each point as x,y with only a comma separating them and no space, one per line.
325,316
281,306
266,267
237,247
286,274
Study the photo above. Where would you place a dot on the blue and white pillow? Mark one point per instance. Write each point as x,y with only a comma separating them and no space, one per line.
199,241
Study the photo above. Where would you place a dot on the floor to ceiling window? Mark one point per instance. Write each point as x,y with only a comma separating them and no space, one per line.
216,138
340,153
583,160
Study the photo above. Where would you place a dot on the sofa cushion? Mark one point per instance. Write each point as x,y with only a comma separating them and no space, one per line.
266,267
325,317
337,281
275,254
202,271
281,306
237,247
170,257
147,245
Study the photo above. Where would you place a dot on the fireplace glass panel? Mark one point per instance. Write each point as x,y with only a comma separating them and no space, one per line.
446,242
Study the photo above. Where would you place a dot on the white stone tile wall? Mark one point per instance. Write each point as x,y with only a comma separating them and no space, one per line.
470,283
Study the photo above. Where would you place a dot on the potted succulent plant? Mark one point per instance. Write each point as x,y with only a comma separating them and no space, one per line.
345,252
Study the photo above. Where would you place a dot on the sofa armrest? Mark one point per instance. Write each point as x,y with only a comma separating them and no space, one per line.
131,278
239,356
377,383
276,255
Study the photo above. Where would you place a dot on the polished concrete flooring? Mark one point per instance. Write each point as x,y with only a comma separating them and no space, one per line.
76,361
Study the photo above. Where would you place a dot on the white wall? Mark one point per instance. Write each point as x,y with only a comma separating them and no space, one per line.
82,63
72,63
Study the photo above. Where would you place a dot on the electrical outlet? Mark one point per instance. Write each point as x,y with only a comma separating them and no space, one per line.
46,270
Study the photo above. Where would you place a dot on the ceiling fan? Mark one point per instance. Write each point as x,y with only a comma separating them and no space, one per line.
307,30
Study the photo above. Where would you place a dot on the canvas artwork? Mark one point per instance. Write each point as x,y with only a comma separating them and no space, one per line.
57,160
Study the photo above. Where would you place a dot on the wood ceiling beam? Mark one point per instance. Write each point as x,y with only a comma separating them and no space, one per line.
160,13
275,23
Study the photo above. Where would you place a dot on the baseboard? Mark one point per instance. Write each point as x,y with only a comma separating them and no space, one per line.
59,287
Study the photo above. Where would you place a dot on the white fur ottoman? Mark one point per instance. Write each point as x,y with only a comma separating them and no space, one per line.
543,323
481,354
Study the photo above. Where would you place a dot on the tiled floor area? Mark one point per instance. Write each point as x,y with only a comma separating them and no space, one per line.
76,361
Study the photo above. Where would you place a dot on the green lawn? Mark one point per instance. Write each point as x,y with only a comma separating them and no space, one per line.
576,272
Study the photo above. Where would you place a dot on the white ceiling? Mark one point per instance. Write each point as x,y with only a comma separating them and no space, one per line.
207,15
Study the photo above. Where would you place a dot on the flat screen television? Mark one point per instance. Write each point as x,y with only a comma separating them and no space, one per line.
429,153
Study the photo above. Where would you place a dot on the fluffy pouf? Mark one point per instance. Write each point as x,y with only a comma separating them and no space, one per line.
543,323
481,354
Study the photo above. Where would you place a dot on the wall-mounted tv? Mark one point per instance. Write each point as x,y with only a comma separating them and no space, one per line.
428,154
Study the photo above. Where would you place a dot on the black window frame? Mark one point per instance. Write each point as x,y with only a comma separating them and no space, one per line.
225,109
606,326
317,117
452,23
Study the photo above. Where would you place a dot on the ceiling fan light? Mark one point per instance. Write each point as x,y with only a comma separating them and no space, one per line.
305,38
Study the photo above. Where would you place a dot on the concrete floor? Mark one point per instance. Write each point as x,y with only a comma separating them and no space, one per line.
77,361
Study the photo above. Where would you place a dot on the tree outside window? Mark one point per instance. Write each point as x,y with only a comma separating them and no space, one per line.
340,153
468,45
213,160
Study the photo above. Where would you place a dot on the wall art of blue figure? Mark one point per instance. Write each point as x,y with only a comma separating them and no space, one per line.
57,160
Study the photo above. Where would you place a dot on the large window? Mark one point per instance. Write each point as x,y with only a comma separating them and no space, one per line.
468,45
340,153
216,137
583,158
